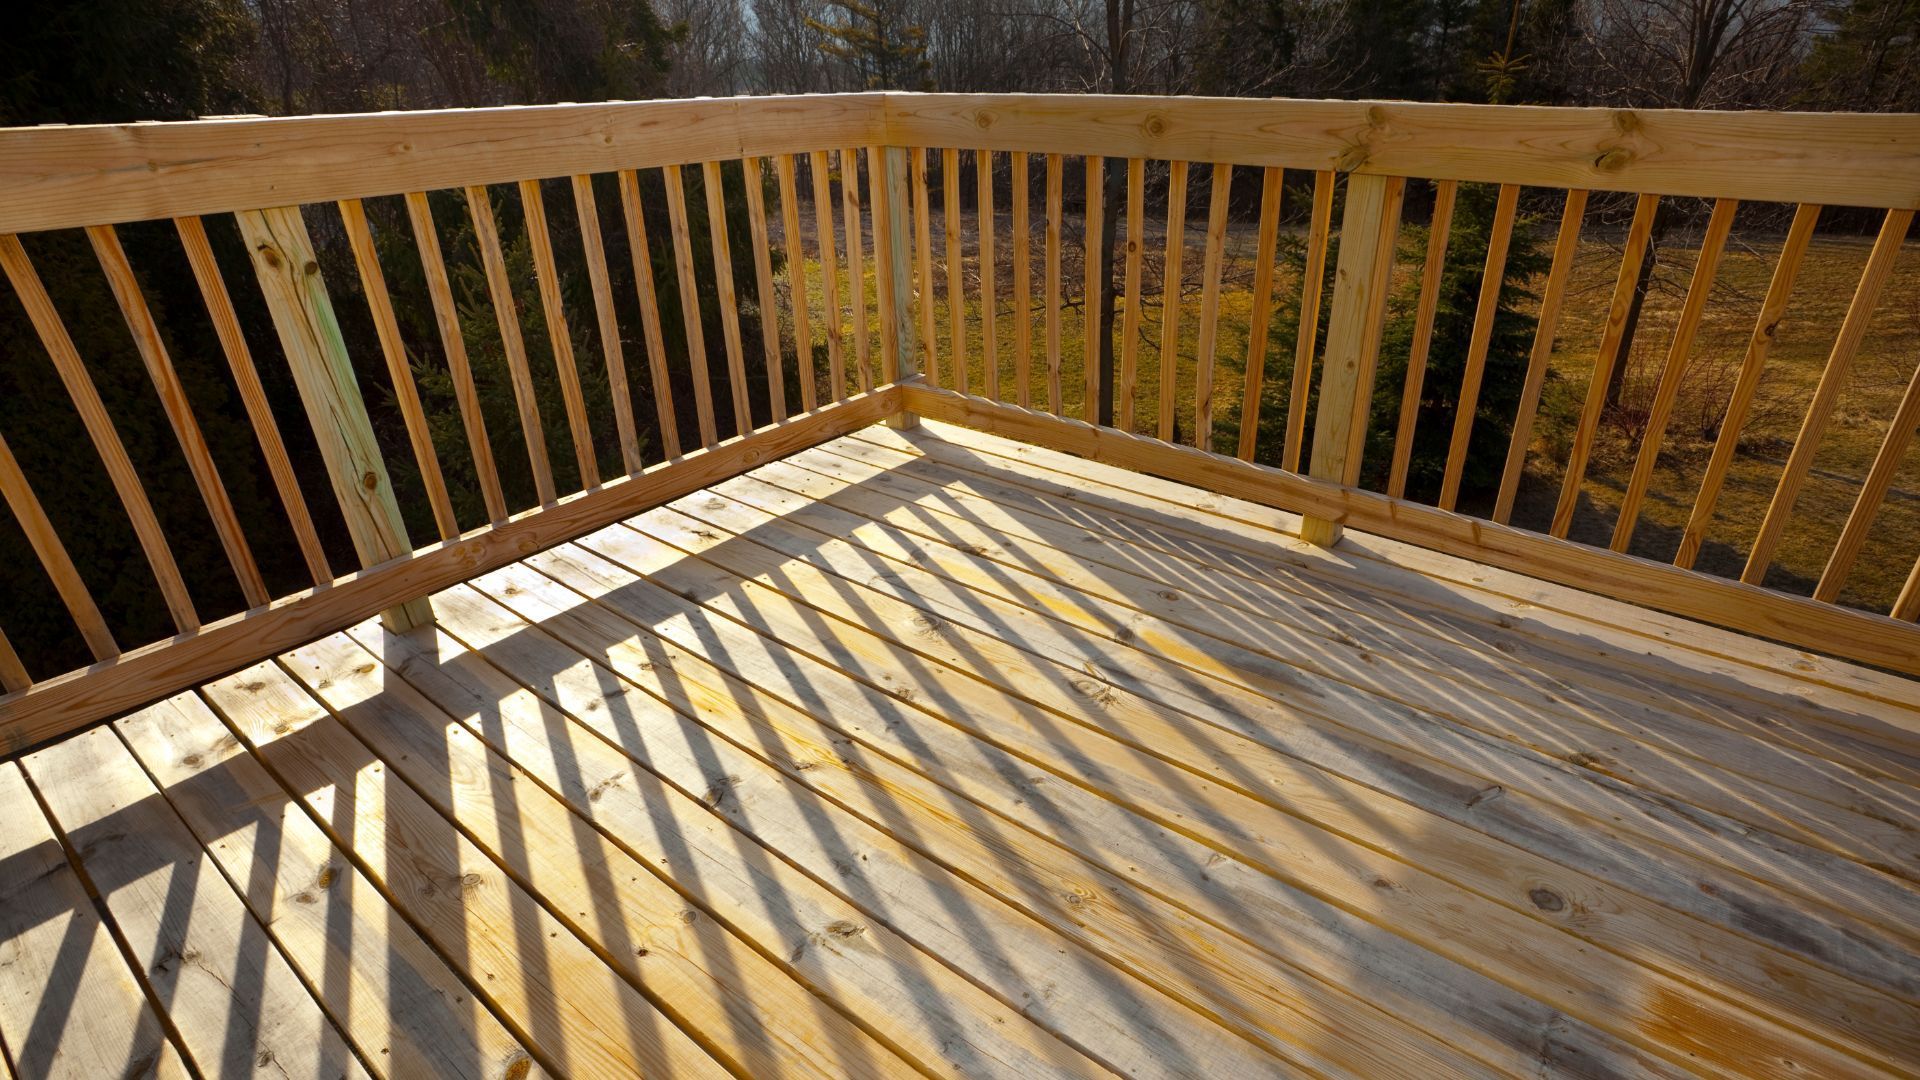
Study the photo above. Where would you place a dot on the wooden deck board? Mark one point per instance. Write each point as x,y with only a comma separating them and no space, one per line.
928,753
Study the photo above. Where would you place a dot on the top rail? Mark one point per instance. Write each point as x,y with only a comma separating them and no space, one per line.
102,174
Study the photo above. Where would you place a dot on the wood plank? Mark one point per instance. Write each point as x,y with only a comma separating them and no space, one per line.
555,993
851,207
1312,285
238,1006
766,310
565,740
829,272
1764,613
728,299
95,174
774,522
690,319
1764,156
923,262
1747,383
93,414
233,343
1095,265
303,319
727,998
1054,197
1367,234
894,248
32,520
13,674
1611,339
506,313
404,1009
1257,319
70,1006
989,266
1873,491
643,283
1209,307
373,284
1172,283
1493,278
1128,390
1444,193
426,240
1706,265
1552,294
173,399
62,703
797,301
1833,378
960,361
1022,285
1145,935
587,211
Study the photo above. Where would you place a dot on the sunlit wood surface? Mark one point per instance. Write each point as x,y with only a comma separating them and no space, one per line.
928,752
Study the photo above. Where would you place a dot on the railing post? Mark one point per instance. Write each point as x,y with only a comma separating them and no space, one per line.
303,316
1360,285
893,242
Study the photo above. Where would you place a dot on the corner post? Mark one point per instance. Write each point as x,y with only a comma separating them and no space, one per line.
282,255
1368,230
893,238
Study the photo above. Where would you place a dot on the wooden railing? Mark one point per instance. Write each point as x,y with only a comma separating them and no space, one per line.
898,157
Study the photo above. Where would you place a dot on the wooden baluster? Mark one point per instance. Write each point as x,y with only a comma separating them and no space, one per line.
226,325
830,271
1171,283
1022,285
1444,193
1364,278
956,296
406,394
426,240
923,264
713,183
856,269
1262,310
755,186
984,222
86,401
797,282
1311,281
1872,493
1668,390
1054,197
1493,276
642,255
1210,306
1747,383
587,209
1907,605
1094,265
1609,355
1564,249
1873,280
53,556
173,398
13,674
506,312
309,334
1128,390
690,304
892,256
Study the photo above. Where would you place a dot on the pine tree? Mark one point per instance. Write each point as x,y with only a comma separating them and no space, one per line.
875,38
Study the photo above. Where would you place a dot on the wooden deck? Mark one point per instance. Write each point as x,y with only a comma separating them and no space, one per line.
928,751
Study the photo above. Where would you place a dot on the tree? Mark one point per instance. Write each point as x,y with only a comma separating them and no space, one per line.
885,51
1869,59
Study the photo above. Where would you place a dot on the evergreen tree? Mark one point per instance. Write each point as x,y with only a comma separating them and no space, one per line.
876,39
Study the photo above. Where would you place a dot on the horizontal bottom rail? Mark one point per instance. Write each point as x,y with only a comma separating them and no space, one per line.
1795,620
65,703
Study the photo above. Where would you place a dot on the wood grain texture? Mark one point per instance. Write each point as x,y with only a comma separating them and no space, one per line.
1172,284
765,309
797,302
691,322
559,334
728,297
506,314
852,206
923,263
1306,344
1022,283
1126,394
1052,283
985,225
959,361
829,272
635,217
1262,313
1204,349
587,211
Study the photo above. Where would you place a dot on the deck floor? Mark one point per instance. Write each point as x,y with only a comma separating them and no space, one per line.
918,752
